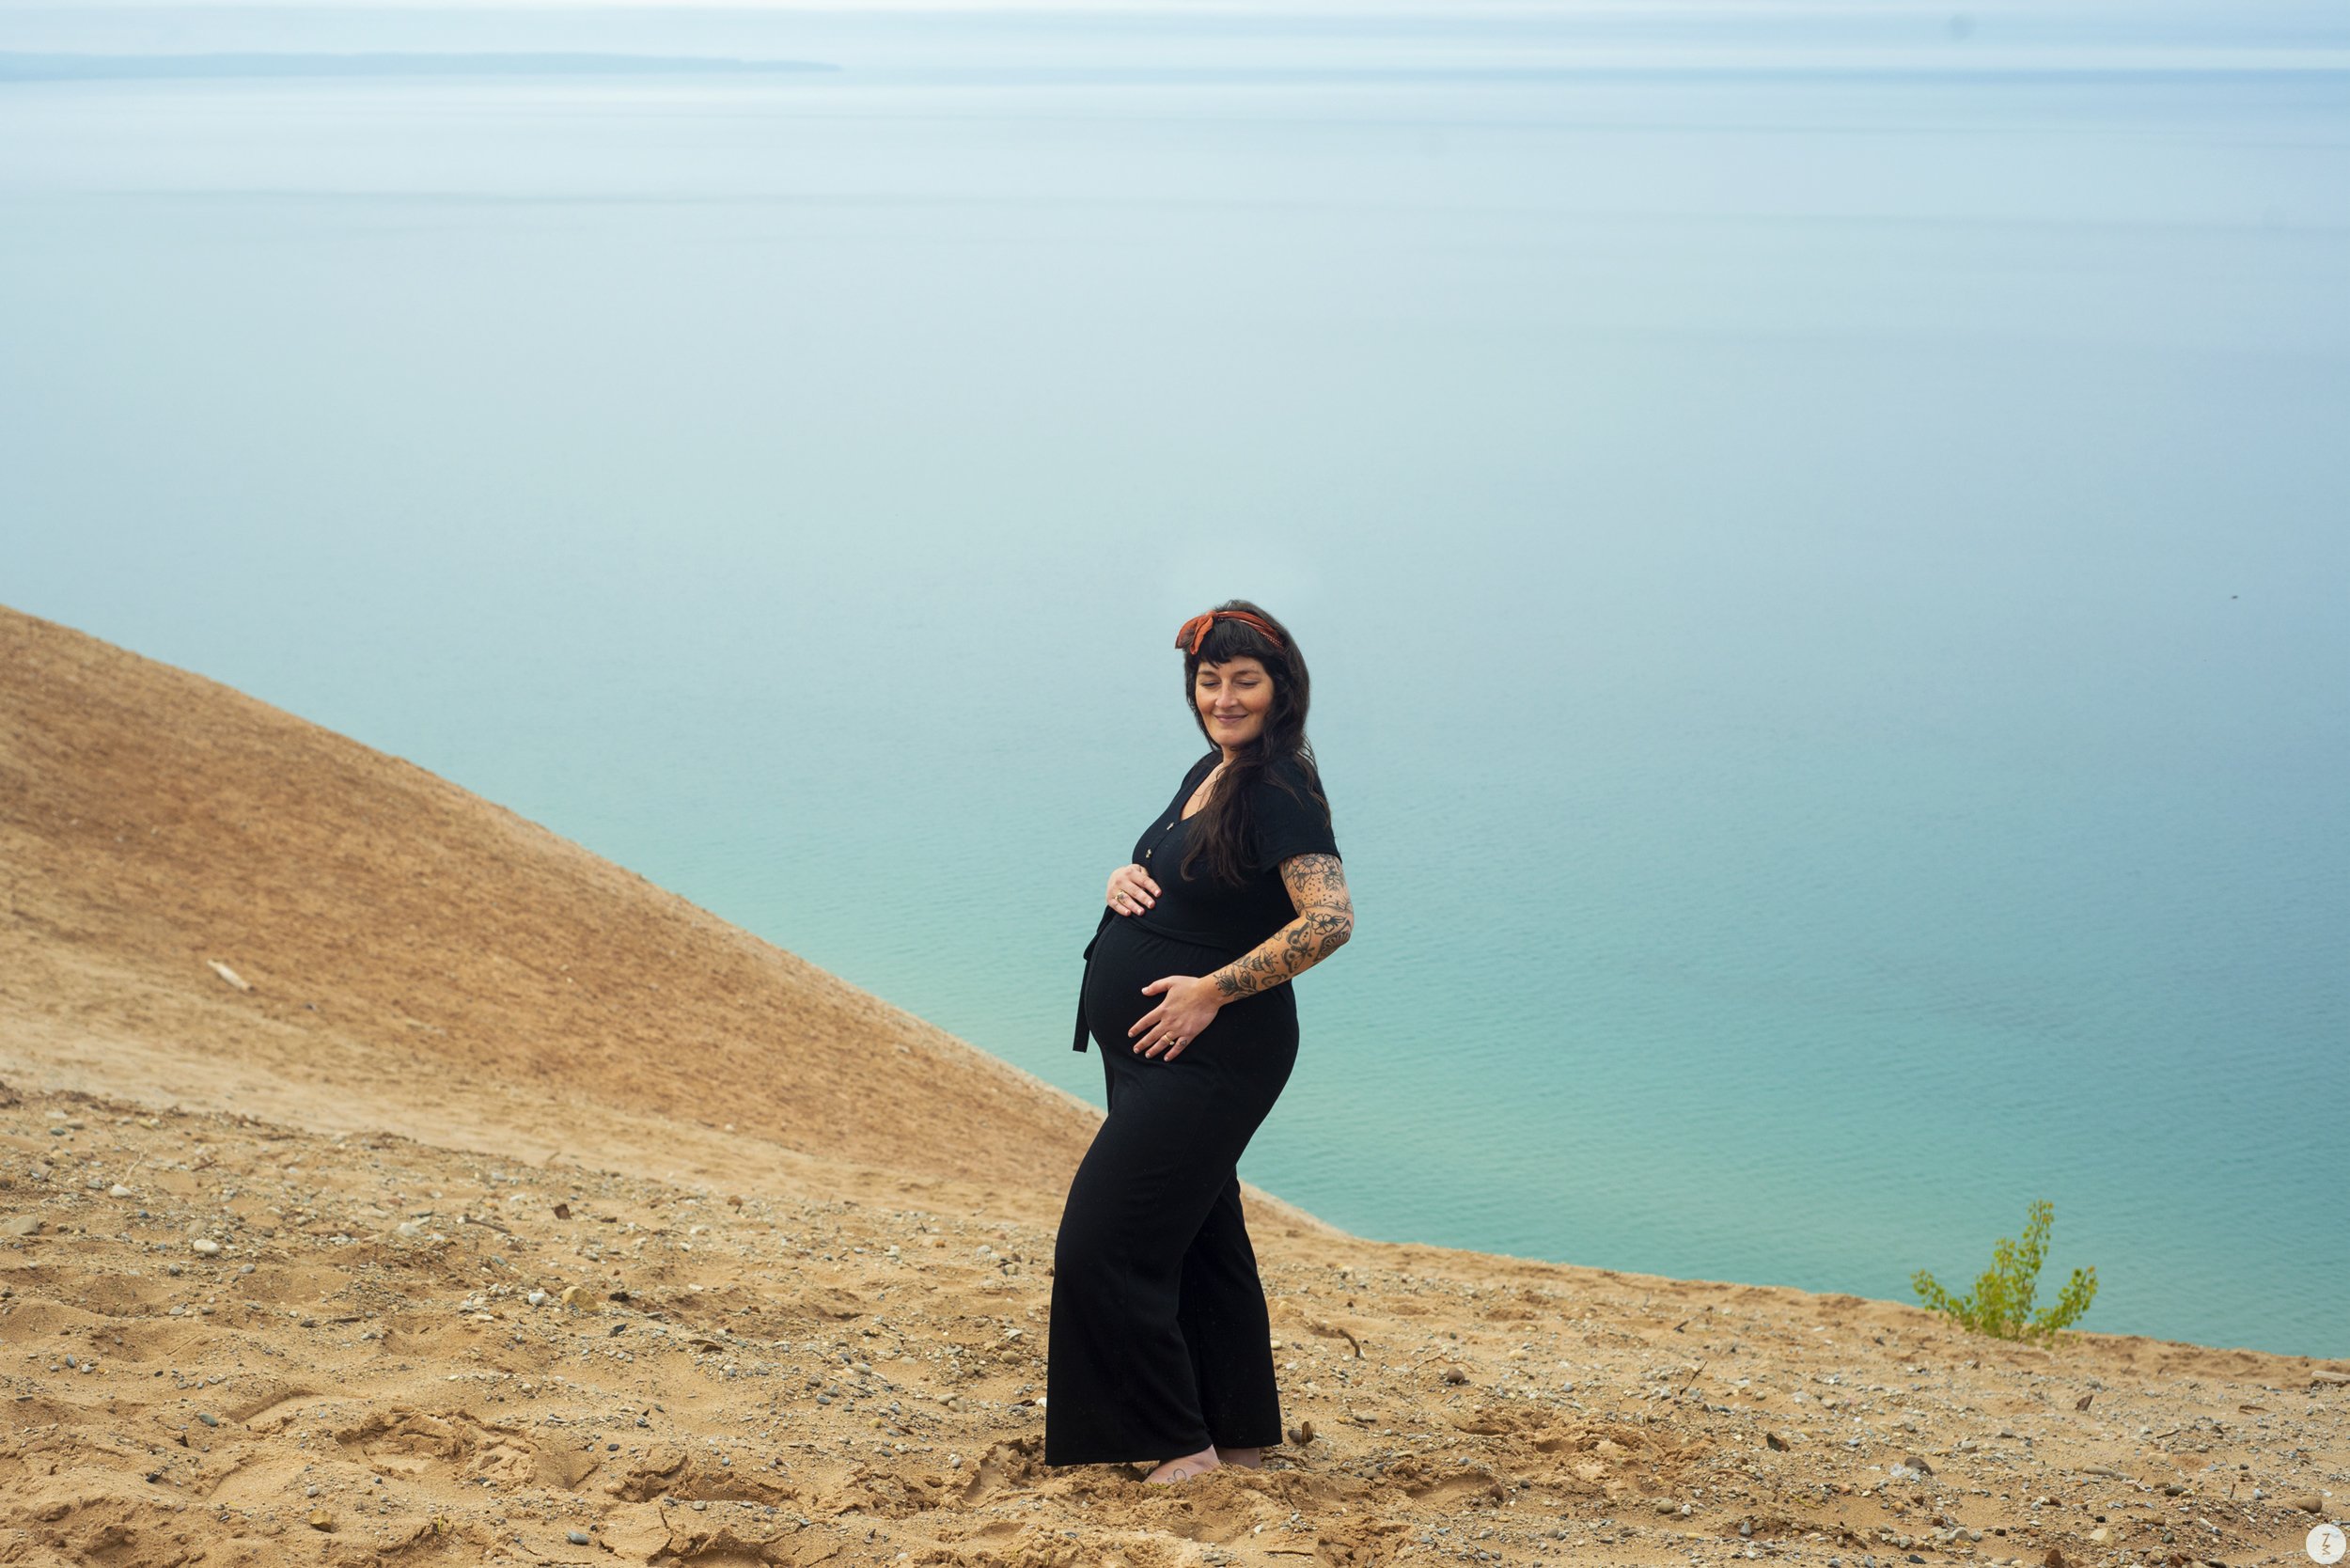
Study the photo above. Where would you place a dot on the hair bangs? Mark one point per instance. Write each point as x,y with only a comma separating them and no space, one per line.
1227,640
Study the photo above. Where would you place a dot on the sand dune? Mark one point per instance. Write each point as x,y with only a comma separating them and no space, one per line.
507,1208
402,938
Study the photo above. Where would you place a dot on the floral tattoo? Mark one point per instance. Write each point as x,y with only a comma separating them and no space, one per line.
1326,918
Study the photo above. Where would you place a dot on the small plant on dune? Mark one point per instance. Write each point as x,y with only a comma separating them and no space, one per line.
2000,1303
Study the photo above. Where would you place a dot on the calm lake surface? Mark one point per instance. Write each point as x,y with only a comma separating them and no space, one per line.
1819,531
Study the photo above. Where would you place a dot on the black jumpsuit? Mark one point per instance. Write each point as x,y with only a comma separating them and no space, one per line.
1160,1342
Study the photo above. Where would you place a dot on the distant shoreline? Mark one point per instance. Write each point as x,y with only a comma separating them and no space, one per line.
93,68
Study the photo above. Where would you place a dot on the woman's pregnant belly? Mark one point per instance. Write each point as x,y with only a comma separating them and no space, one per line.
1129,956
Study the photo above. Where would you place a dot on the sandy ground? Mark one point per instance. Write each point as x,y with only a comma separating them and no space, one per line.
512,1210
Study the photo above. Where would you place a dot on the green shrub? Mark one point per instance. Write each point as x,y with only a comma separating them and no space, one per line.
2000,1303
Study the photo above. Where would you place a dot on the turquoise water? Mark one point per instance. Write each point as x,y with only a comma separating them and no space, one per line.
1820,535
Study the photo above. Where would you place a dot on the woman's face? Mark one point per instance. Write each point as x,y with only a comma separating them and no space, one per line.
1234,698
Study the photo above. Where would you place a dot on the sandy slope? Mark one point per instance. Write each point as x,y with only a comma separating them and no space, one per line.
792,1248
403,937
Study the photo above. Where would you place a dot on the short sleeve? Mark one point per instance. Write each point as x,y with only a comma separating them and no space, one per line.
1287,824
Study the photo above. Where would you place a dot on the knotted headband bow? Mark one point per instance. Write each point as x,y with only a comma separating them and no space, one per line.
1194,632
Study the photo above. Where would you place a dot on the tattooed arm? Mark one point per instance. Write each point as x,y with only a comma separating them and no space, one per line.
1326,918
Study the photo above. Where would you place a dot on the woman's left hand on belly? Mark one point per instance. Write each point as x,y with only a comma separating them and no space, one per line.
1190,1005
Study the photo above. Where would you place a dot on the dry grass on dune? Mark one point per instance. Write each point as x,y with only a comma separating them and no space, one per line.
524,1212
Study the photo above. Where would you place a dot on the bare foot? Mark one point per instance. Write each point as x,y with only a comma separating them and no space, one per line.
1186,1467
1247,1459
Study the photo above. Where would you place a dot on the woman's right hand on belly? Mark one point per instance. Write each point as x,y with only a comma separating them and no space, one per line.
1131,890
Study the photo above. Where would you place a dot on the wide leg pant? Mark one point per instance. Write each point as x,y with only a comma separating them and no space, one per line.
1160,1342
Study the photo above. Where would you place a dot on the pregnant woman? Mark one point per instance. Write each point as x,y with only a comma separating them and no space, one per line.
1161,1347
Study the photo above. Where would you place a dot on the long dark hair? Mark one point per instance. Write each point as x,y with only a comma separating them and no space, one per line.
1219,834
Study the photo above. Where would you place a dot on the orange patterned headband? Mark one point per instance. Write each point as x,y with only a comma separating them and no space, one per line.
1194,632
